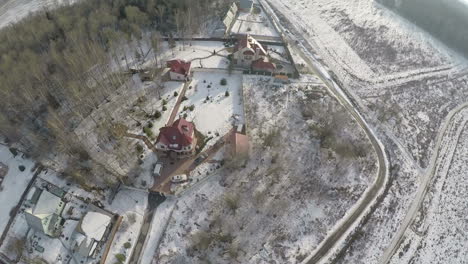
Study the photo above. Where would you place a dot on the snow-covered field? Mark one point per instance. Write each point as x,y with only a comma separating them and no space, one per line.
404,82
200,53
254,24
14,183
398,73
217,115
281,204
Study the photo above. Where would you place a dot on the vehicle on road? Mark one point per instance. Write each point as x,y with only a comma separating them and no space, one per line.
179,178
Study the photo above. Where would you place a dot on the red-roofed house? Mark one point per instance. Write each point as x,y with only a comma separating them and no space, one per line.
178,139
179,70
249,53
263,64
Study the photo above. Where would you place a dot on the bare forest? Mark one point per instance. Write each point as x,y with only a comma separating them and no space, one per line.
58,66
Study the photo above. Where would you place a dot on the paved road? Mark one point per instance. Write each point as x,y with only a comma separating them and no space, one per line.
453,132
305,50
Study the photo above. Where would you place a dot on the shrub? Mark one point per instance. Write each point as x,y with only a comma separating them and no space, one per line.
148,132
127,245
139,148
150,125
164,108
14,151
184,98
157,114
176,94
232,201
223,81
164,102
207,98
21,167
185,116
120,257
191,108
226,94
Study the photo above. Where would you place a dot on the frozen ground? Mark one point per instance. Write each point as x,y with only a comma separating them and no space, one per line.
271,210
14,183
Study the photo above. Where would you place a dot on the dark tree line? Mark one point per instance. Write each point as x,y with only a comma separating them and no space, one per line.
55,65
446,20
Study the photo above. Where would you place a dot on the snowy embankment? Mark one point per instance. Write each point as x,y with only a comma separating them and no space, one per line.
14,183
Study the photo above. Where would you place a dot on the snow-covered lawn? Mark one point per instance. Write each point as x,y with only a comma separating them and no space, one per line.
214,113
14,183
200,53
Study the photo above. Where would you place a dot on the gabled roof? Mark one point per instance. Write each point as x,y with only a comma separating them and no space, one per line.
263,65
179,66
178,135
94,225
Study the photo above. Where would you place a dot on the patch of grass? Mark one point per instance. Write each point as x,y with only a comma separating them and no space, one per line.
120,257
232,201
139,148
201,240
148,132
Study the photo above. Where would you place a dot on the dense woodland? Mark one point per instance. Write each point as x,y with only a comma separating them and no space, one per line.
55,66
446,20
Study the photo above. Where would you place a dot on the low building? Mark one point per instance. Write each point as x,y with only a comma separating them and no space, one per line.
179,70
177,140
44,213
249,53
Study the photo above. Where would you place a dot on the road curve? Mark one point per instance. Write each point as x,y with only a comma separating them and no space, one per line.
422,189
352,218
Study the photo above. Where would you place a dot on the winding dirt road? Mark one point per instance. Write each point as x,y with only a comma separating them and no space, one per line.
344,227
443,152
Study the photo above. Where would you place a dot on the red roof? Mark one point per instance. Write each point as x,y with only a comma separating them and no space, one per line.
179,66
178,135
263,65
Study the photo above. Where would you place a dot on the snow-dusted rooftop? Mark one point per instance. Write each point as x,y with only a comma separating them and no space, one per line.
94,225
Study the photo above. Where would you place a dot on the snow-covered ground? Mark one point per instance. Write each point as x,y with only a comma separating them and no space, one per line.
14,183
200,53
281,204
12,11
254,24
214,113
403,82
